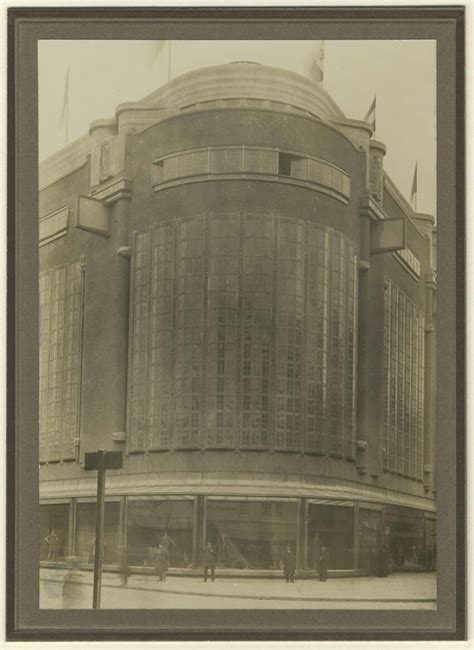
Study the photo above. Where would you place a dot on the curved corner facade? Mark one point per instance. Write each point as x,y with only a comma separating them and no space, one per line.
235,295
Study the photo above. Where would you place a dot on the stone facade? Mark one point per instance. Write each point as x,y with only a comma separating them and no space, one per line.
232,330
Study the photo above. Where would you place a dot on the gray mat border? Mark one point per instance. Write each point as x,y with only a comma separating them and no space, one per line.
25,621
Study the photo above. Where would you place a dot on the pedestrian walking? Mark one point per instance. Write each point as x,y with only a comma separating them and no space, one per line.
323,564
123,569
161,562
289,564
52,540
209,560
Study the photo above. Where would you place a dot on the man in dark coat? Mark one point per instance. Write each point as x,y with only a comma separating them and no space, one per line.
209,560
323,564
289,564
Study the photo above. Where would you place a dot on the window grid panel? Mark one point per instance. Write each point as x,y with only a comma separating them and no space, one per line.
403,385
241,159
139,343
72,352
351,363
56,363
223,299
256,330
45,349
61,305
317,338
188,380
289,335
386,374
159,396
338,351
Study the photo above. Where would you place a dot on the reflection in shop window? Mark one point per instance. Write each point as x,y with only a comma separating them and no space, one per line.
168,522
85,532
54,518
256,542
333,527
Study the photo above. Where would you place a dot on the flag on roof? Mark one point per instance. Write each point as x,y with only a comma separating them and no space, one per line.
370,116
414,188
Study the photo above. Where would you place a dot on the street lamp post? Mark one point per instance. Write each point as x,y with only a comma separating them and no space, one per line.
100,460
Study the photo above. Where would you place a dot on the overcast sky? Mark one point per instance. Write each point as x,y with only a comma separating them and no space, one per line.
402,74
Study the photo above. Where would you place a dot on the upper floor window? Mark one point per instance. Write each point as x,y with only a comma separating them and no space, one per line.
234,159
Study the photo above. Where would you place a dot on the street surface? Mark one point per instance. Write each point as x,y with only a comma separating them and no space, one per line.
62,589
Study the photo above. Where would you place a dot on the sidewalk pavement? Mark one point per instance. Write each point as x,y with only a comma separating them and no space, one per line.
396,588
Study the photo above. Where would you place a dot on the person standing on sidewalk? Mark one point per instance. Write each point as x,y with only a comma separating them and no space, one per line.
323,564
209,560
123,569
161,560
52,540
289,564
316,551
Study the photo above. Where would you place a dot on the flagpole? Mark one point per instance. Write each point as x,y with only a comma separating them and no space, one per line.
67,116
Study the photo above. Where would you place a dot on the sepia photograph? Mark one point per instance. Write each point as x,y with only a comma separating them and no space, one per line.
238,305
237,326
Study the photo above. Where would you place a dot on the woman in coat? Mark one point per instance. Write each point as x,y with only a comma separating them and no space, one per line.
323,564
161,562
289,564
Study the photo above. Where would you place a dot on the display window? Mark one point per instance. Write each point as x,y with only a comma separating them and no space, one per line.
331,526
168,522
53,530
250,534
86,527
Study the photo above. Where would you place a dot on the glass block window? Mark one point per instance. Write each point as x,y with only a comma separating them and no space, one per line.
216,161
160,358
233,160
185,164
170,168
53,225
61,309
403,384
268,162
256,329
139,342
351,356
223,299
338,349
242,325
189,333
200,162
248,159
252,160
289,334
408,258
317,337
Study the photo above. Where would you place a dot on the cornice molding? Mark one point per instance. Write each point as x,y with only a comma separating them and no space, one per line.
113,190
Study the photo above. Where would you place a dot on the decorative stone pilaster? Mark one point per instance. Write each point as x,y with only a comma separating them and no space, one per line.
377,151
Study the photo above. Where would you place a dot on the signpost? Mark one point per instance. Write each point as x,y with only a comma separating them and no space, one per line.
100,460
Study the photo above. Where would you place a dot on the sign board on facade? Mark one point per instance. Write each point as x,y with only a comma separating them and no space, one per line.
92,215
388,235
113,460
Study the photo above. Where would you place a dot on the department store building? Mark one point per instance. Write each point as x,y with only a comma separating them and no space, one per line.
235,295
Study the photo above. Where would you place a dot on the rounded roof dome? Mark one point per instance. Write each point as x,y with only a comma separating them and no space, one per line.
246,80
